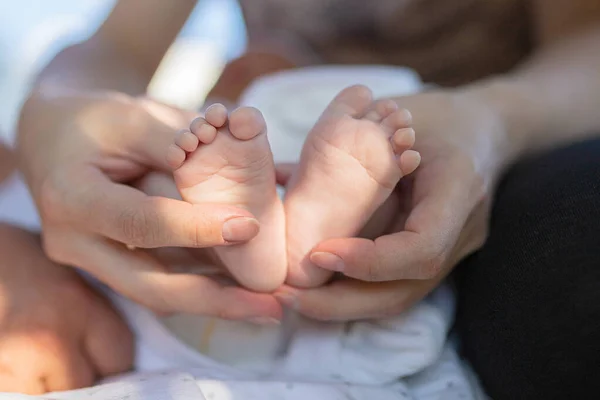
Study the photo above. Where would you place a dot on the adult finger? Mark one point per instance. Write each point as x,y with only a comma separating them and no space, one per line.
347,300
89,200
152,130
179,259
167,114
128,129
137,275
419,251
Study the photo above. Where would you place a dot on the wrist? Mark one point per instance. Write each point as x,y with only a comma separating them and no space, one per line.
515,115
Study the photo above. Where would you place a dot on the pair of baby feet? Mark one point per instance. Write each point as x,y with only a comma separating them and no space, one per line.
351,162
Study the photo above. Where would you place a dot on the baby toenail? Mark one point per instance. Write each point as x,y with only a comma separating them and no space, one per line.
328,261
240,229
404,137
406,116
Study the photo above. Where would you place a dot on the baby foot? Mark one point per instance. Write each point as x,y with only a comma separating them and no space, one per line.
227,160
351,162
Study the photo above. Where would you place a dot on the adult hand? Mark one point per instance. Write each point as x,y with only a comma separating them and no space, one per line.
438,216
56,333
267,54
78,152
240,72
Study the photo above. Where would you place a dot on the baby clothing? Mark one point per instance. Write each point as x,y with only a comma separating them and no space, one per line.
188,357
404,357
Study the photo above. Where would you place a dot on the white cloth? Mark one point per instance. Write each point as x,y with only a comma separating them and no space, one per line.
405,357
16,204
292,101
181,358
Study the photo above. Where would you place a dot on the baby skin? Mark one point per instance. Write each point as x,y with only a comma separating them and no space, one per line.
226,159
350,163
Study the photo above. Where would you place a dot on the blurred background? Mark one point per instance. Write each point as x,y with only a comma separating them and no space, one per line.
33,31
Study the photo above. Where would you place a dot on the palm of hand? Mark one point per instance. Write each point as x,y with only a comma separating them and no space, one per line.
433,219
459,216
442,208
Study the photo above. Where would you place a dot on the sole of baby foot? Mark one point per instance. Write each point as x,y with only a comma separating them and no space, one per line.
226,159
350,164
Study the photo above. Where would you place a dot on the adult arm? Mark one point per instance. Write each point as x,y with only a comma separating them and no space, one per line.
467,138
125,51
83,138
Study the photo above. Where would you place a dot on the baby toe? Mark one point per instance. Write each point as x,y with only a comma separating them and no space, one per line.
380,110
186,140
353,101
403,139
398,119
409,161
247,122
216,115
175,156
204,131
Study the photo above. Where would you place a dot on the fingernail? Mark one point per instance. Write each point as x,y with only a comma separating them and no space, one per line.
288,300
264,321
240,229
328,261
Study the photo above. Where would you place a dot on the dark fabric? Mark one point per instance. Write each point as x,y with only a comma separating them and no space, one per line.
529,301
448,42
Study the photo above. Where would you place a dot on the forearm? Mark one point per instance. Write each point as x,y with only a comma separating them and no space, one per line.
551,99
123,54
72,80
94,65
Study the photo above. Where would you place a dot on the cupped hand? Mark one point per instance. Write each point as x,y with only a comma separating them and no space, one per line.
434,219
56,333
79,152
